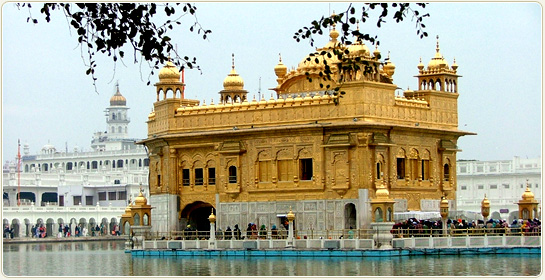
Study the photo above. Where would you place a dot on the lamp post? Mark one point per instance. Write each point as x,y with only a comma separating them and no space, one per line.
485,208
212,240
444,212
290,216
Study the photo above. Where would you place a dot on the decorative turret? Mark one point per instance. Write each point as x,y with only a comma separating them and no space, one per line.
280,70
389,67
438,76
117,99
528,204
233,86
169,81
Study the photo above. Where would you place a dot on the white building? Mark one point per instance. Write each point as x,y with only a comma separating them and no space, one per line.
502,181
109,175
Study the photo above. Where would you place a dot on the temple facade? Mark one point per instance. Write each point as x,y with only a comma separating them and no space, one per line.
304,147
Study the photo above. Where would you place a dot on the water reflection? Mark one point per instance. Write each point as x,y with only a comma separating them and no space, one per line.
109,259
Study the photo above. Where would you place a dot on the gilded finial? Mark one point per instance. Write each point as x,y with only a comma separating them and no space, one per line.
280,56
437,47
233,60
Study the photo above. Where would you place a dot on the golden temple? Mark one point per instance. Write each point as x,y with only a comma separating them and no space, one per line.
304,147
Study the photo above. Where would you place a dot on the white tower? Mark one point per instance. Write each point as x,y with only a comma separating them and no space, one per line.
116,117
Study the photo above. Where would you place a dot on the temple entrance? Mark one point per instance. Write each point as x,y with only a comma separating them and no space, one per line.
349,216
196,215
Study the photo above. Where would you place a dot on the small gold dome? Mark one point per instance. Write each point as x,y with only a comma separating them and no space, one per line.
528,195
485,202
212,217
382,193
151,115
280,69
233,81
438,62
454,65
140,200
290,216
420,65
358,49
389,67
444,202
169,73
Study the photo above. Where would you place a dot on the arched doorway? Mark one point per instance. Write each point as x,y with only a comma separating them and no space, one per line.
349,216
196,215
49,197
27,197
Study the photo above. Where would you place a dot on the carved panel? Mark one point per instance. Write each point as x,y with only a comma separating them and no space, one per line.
310,206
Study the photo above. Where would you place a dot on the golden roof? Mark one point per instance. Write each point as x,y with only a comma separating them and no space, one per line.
485,202
117,99
233,81
358,48
438,62
140,200
315,61
280,69
528,195
169,73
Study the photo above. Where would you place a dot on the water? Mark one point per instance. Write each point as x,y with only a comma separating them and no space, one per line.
107,258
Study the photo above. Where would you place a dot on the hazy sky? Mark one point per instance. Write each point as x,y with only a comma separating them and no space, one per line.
46,96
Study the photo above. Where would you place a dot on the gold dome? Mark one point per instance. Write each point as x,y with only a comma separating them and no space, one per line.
169,73
151,115
212,217
382,193
280,69
485,202
420,65
438,62
290,216
528,195
127,213
117,99
454,65
358,49
140,200
389,67
233,81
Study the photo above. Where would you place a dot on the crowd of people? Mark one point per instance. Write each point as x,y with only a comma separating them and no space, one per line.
64,230
414,226
252,232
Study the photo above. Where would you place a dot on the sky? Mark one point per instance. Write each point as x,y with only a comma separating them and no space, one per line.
47,98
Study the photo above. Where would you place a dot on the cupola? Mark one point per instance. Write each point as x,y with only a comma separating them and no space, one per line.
169,73
233,86
117,99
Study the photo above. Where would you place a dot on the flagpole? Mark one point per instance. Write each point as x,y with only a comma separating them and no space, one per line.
18,172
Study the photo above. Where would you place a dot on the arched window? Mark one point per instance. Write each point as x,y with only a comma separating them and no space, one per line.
389,215
446,171
127,228
136,221
145,219
378,215
119,163
232,174
113,116
525,214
